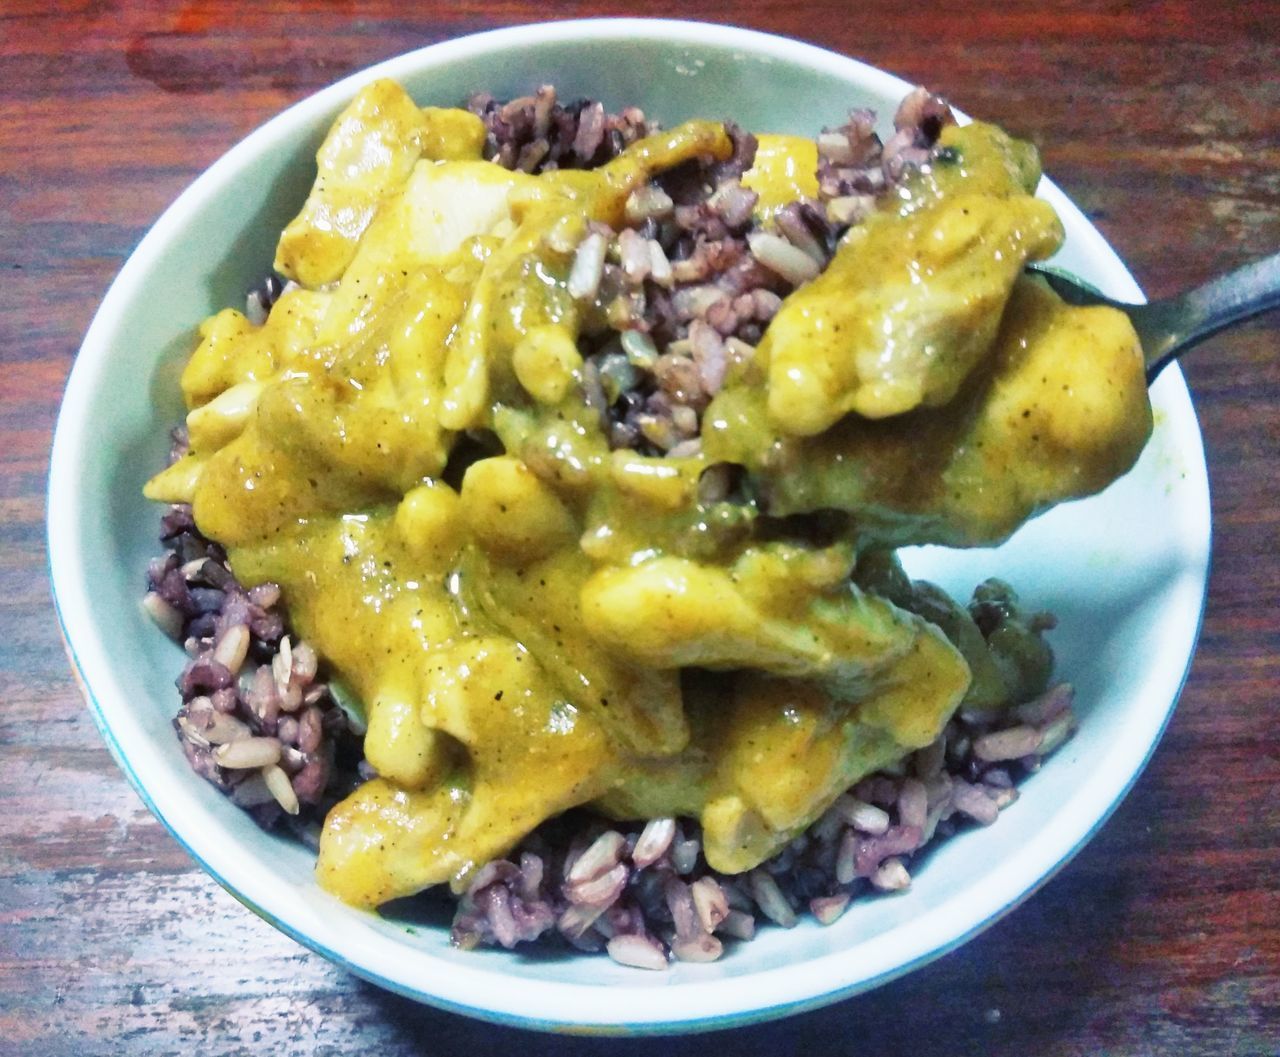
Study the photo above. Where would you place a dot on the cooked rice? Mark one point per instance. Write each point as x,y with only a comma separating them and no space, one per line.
255,720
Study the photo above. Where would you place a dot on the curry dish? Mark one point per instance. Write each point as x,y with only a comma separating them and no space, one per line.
534,618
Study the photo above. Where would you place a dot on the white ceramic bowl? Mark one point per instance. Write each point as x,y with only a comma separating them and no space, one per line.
1124,571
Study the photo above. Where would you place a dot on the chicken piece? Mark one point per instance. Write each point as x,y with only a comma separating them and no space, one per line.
424,226
905,310
523,755
1058,411
383,841
780,609
368,154
233,351
769,755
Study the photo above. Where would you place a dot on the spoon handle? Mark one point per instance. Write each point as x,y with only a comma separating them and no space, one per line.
1171,326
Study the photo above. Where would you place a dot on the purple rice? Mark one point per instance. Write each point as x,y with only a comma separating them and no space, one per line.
255,720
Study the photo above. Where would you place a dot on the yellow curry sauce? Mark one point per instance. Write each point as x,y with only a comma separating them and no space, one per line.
539,633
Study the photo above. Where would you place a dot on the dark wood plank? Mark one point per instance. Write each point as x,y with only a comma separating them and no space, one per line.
1161,118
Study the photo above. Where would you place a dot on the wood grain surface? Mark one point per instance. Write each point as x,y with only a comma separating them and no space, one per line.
1162,119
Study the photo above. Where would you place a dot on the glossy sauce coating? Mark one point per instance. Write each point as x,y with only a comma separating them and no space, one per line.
528,634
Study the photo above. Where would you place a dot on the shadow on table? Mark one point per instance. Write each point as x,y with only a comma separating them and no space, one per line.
1039,974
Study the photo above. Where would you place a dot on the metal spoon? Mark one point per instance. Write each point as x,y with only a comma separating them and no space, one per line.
1170,326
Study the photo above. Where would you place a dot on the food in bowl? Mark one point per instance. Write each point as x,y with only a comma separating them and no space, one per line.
578,451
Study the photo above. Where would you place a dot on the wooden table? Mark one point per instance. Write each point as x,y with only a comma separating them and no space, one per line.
1161,118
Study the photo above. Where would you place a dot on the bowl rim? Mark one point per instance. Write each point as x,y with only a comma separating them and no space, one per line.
557,1005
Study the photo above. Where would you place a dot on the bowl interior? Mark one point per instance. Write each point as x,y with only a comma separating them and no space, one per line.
1124,571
